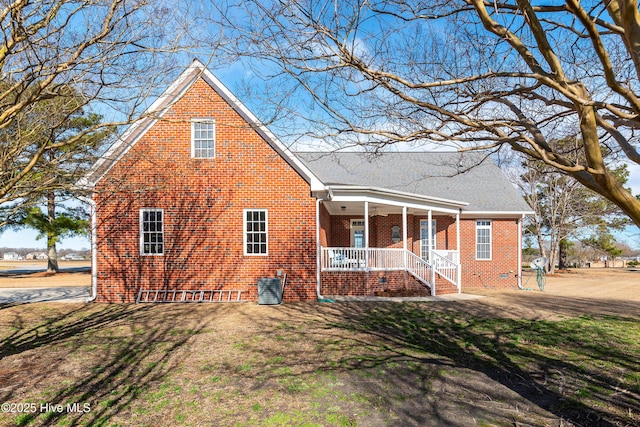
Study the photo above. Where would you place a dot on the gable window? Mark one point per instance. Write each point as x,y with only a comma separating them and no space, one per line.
483,239
255,232
151,231
203,139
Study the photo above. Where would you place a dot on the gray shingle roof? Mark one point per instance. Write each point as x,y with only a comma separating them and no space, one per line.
467,177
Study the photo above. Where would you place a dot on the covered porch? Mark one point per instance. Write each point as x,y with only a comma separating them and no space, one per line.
368,232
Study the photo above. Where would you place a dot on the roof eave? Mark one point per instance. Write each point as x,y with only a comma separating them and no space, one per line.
496,214
353,190
263,131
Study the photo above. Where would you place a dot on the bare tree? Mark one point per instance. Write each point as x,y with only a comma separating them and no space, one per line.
470,74
112,52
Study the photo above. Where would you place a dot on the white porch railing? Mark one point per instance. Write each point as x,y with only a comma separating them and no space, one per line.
354,259
443,262
445,267
343,259
453,256
421,270
386,259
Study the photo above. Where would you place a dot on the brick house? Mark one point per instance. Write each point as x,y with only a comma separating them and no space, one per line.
198,195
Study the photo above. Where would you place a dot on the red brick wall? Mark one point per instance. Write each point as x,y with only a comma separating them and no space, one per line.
203,202
338,229
325,226
499,272
378,283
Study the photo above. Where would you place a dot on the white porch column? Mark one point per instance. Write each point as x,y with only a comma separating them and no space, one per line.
429,234
404,235
458,234
366,233
319,251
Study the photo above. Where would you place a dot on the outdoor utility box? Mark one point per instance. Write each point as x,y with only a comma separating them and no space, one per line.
270,291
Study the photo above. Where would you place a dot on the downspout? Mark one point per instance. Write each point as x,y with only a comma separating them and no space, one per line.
429,234
94,248
459,261
318,249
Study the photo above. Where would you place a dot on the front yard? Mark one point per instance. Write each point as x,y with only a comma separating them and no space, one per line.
509,359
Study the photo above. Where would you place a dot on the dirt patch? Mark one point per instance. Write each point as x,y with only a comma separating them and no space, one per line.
571,293
400,293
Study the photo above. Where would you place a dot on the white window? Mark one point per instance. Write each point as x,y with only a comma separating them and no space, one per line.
424,237
203,138
483,239
357,233
151,231
255,232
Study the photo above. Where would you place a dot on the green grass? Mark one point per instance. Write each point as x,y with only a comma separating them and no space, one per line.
326,365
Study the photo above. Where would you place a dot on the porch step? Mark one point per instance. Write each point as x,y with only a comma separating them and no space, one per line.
446,289
187,295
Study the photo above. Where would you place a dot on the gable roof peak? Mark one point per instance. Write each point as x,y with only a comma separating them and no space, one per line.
196,70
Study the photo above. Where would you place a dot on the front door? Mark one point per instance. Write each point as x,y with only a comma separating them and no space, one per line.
424,238
357,233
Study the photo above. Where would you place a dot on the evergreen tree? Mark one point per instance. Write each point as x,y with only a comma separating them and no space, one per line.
47,208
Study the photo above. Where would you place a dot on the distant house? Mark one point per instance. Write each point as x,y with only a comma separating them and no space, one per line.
36,256
200,195
12,256
73,257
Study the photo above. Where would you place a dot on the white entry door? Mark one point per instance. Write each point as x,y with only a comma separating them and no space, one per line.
357,233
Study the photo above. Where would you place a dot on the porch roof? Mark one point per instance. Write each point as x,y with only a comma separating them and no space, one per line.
469,180
384,201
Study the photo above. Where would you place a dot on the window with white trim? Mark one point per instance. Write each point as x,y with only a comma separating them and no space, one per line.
255,232
483,239
203,139
151,231
424,237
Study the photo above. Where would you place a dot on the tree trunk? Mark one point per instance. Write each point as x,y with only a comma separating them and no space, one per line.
551,266
52,263
562,255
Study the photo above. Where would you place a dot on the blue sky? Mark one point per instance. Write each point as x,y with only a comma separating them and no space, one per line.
234,76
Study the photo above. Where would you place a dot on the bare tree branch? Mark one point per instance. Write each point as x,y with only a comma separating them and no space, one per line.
113,54
467,74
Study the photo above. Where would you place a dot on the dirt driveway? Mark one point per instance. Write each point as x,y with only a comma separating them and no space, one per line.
575,292
32,274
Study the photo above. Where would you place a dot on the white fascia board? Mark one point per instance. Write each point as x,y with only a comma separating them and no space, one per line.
495,214
393,198
137,129
266,134
349,190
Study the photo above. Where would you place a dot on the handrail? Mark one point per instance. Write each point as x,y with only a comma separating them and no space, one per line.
445,267
421,269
